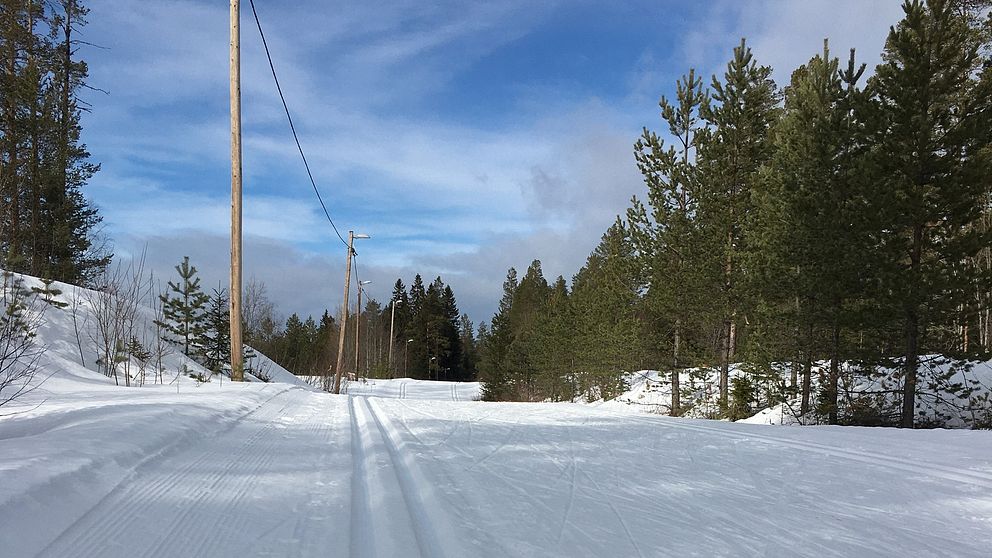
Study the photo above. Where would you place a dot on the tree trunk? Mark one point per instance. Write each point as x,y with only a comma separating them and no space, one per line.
794,372
912,333
834,374
12,174
35,177
807,370
676,395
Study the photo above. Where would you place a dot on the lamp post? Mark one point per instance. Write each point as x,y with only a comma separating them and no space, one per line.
358,323
406,353
392,320
344,310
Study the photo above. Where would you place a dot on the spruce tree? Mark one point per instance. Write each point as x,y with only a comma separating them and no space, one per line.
184,309
496,341
402,315
449,324
217,349
418,357
469,349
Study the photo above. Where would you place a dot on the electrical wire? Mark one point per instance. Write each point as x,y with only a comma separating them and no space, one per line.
291,126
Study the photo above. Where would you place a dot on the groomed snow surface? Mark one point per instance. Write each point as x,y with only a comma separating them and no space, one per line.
404,468
278,470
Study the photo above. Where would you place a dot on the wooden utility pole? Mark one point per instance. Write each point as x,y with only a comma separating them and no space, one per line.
237,358
392,341
344,313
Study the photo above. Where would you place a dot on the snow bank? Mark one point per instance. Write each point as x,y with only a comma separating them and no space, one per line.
68,335
951,394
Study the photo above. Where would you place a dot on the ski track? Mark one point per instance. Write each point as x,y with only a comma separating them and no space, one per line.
384,467
193,498
118,511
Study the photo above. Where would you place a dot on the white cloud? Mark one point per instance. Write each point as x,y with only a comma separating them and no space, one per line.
440,196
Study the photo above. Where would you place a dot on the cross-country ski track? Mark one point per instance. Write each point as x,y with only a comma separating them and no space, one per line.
407,468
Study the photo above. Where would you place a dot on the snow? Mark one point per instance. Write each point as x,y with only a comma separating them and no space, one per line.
414,468
277,470
408,388
69,356
950,394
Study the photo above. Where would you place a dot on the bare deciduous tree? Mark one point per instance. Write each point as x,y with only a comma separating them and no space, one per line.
114,308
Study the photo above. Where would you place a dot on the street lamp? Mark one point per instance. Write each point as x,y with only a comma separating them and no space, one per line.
406,353
344,311
358,322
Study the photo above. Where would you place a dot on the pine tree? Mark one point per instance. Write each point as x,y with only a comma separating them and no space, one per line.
933,156
552,346
733,149
184,309
529,303
810,243
666,240
605,305
47,227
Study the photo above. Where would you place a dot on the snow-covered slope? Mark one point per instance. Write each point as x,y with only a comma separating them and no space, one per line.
68,333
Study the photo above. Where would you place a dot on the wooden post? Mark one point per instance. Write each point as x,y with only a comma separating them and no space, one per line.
237,358
344,314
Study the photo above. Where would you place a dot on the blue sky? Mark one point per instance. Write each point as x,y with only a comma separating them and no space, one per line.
465,137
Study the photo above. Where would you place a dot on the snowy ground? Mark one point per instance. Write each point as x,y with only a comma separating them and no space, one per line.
408,388
277,470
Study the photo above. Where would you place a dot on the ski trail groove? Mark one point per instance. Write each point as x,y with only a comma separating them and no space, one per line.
362,537
251,465
426,512
88,535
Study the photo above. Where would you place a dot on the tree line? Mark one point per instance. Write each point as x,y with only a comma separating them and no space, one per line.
47,227
841,218
430,338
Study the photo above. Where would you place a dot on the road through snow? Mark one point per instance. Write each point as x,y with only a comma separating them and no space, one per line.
271,471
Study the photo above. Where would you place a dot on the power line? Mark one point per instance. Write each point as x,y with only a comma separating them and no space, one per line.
291,126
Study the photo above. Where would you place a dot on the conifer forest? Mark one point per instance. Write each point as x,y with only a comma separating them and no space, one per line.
836,218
